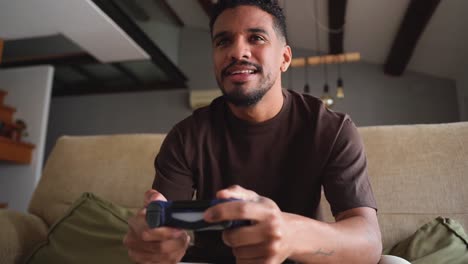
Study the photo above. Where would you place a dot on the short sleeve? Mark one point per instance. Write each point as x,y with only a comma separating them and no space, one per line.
173,174
346,183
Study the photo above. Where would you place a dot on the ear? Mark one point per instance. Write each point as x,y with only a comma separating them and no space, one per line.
287,57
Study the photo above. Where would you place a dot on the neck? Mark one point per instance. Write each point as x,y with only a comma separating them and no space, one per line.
265,109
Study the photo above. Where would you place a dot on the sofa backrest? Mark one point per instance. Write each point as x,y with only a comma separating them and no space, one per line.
418,172
118,168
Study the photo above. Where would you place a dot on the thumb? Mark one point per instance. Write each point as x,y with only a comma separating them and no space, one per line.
153,195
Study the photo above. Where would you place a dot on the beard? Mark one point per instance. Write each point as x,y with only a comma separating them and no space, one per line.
238,97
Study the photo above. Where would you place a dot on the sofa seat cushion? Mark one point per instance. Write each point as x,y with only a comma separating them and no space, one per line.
91,231
441,241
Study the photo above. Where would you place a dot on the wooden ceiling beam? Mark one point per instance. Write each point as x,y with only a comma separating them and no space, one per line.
336,21
326,59
416,18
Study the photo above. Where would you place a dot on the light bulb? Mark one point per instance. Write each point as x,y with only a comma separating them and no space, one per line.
340,89
328,100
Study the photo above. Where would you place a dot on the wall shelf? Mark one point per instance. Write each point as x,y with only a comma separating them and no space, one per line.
18,152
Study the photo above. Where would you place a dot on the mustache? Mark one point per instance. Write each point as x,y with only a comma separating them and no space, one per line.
257,67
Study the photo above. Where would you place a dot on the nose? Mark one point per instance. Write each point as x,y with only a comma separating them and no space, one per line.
240,50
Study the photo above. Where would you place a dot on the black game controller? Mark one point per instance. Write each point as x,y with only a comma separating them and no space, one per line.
187,215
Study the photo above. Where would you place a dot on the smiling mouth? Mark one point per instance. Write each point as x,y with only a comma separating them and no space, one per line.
241,72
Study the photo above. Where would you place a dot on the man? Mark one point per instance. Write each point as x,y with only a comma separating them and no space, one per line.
280,146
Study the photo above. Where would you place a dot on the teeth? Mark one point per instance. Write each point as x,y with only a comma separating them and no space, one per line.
243,71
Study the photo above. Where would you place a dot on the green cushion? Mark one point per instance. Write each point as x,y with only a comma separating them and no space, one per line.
441,241
90,232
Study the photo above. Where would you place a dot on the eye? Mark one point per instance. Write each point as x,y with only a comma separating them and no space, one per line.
257,38
221,42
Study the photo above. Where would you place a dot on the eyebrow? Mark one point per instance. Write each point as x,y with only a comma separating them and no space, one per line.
220,34
251,30
257,30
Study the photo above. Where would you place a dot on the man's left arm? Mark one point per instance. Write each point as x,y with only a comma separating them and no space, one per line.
353,238
275,236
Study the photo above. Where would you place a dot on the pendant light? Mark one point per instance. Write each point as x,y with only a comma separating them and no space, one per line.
339,84
327,99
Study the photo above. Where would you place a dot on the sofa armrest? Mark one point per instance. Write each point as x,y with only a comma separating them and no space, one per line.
20,234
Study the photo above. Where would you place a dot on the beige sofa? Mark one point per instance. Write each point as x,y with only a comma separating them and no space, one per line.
418,172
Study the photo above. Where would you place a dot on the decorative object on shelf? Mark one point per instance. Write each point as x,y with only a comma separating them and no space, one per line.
20,130
3,128
11,135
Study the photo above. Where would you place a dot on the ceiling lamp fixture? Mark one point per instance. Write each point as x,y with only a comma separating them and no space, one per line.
325,59
327,99
339,84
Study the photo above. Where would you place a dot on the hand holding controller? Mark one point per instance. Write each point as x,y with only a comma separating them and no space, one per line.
187,215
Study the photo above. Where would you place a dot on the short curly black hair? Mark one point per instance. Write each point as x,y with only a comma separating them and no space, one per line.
270,6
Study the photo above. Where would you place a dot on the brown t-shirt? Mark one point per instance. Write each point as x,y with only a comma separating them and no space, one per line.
287,158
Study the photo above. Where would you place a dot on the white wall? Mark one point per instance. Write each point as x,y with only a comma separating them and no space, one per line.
29,91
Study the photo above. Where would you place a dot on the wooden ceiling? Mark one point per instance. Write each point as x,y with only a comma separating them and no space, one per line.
416,17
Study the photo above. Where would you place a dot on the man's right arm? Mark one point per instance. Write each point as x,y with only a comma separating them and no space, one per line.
163,244
173,180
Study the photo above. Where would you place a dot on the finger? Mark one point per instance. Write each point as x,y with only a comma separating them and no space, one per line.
153,195
238,192
162,234
171,245
241,210
249,235
137,223
139,228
